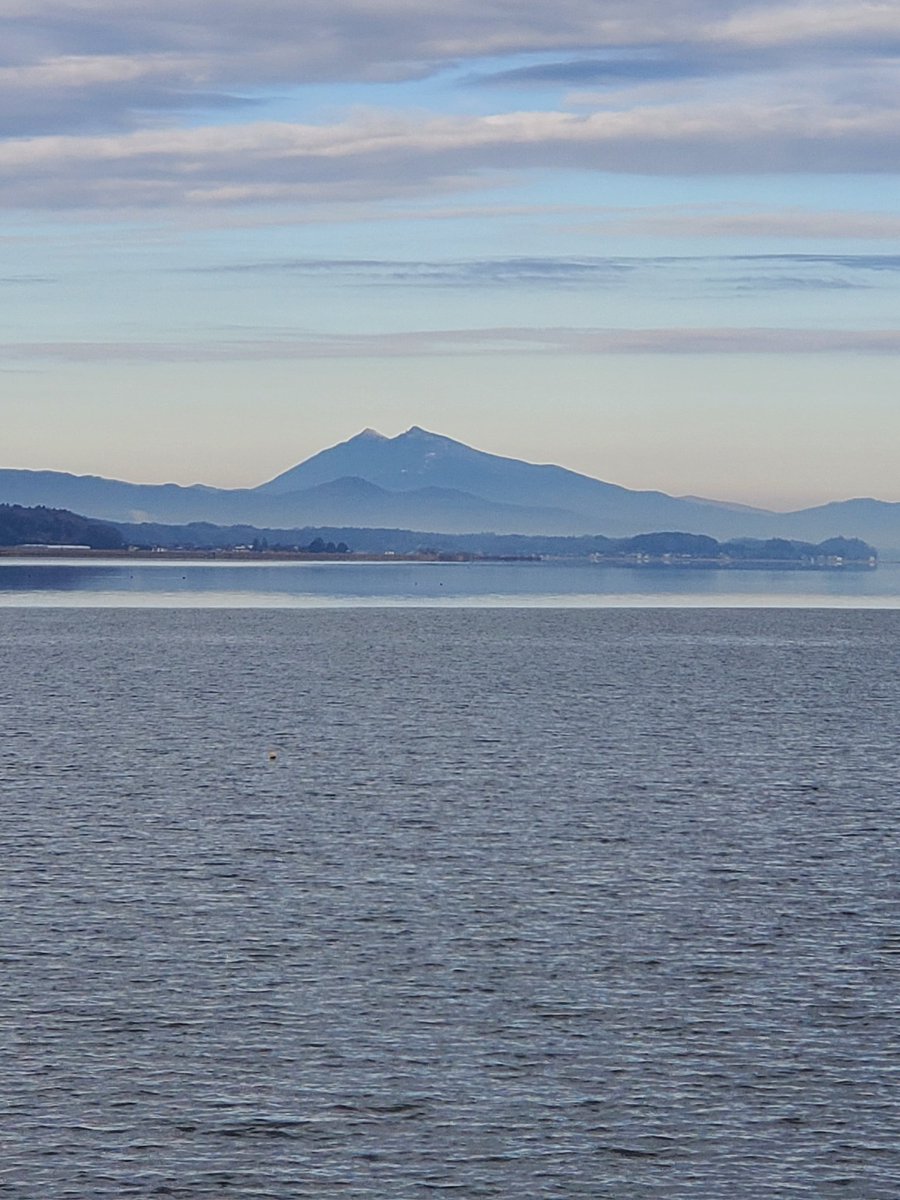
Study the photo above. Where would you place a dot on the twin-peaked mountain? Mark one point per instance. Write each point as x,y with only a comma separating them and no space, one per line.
437,478
420,480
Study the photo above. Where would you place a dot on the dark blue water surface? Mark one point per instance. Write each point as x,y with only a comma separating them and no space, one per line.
403,902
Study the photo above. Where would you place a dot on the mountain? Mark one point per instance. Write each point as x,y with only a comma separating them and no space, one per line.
418,459
421,480
108,499
878,518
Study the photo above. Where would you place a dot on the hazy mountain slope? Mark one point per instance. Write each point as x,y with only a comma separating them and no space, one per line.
878,521
356,501
115,499
346,501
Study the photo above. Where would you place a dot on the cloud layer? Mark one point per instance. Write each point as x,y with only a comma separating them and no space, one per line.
108,105
381,155
502,341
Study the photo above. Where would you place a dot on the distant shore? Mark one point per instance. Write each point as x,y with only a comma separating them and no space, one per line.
643,561
147,554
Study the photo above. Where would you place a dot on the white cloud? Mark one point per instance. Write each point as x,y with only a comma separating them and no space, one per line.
793,25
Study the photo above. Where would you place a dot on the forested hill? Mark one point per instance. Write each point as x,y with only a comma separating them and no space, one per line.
54,527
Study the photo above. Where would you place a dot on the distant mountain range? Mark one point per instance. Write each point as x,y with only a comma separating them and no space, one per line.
421,480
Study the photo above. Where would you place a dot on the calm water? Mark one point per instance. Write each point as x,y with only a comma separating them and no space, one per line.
340,585
530,903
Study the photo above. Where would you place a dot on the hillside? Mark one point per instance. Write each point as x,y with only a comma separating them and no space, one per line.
56,527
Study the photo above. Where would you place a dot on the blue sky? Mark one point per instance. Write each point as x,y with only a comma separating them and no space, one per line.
658,242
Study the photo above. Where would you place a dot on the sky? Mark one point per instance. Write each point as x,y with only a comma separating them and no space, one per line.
656,241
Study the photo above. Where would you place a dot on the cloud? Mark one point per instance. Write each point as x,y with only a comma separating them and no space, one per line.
871,24
401,32
106,64
582,71
467,342
785,223
760,272
379,155
99,99
264,42
793,283
515,271
857,262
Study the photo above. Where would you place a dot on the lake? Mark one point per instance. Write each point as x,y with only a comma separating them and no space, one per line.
92,582
407,901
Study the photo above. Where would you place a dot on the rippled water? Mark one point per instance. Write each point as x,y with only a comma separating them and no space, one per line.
586,903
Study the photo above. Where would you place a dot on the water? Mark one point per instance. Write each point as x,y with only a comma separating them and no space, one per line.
529,903
114,583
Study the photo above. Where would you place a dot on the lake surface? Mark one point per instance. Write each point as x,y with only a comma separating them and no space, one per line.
394,903
93,583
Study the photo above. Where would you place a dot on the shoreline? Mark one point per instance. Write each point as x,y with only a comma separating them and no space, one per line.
642,562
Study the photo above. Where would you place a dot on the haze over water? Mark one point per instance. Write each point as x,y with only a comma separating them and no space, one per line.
508,903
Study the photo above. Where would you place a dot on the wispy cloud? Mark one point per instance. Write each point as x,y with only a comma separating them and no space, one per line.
516,272
759,272
853,262
794,224
466,342
793,283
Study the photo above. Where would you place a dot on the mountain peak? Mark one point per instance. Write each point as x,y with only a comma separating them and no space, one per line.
370,434
416,437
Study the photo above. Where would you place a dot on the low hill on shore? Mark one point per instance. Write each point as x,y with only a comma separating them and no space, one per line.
41,526
643,547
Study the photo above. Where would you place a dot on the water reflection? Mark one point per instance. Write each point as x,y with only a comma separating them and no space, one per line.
58,583
53,577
